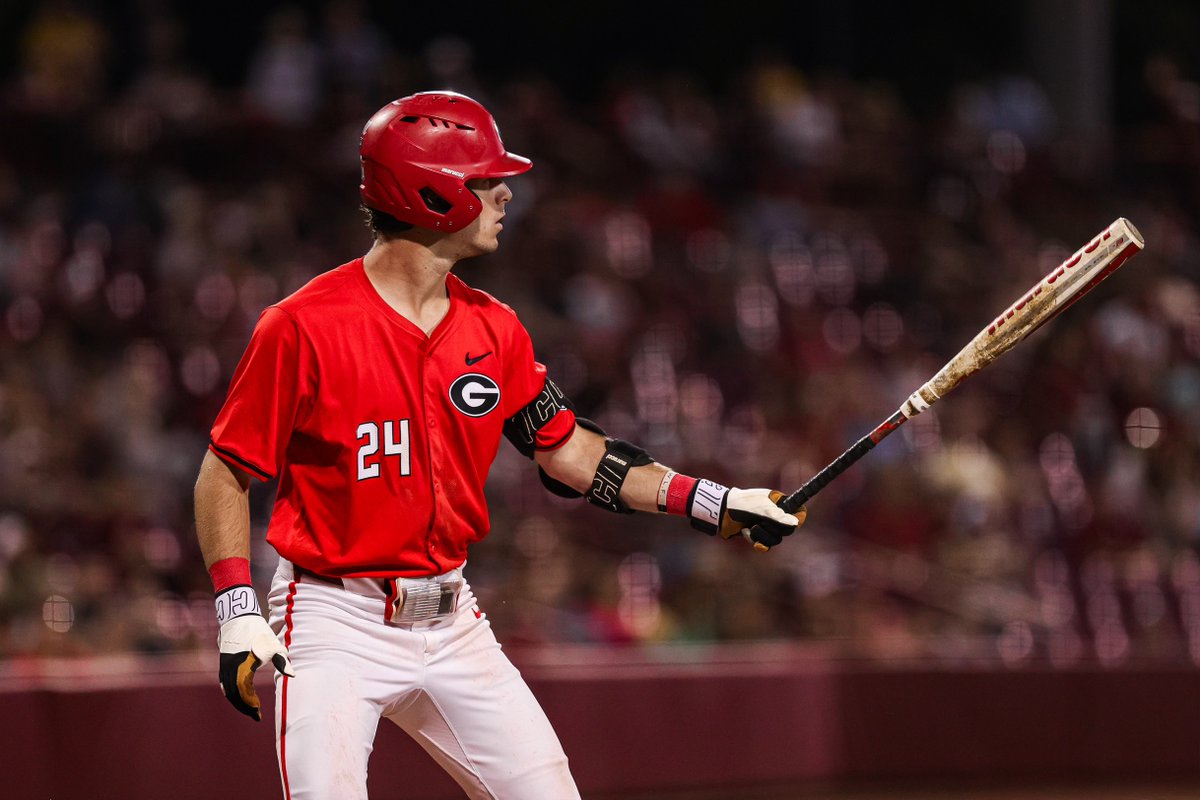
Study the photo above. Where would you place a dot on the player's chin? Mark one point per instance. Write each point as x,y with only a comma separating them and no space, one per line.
479,247
488,244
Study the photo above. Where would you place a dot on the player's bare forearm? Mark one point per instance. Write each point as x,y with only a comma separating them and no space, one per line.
245,640
616,476
222,511
575,465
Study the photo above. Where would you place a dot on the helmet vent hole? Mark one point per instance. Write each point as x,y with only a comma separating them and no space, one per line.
409,118
463,127
434,201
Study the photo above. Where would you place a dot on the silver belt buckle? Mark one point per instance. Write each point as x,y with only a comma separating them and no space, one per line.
424,601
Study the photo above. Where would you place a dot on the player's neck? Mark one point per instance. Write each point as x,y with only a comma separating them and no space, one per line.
410,279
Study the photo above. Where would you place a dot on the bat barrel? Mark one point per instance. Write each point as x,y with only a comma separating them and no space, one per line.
1134,233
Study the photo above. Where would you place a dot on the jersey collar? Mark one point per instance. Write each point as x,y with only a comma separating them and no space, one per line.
376,304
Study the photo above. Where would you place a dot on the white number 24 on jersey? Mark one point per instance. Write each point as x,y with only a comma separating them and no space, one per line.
395,443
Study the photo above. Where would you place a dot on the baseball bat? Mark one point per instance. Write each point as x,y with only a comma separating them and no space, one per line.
1065,284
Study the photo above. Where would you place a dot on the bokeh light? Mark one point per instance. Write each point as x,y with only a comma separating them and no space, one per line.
215,296
757,316
842,330
24,319
627,244
882,326
126,295
1006,152
58,613
1143,427
200,370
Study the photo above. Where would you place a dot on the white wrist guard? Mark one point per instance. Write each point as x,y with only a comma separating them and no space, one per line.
706,505
237,601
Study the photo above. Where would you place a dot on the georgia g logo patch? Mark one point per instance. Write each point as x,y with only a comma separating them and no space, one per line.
474,394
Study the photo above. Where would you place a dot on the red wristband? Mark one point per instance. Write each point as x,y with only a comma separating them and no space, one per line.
230,572
678,493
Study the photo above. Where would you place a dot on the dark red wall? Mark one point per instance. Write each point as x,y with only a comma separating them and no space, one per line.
636,720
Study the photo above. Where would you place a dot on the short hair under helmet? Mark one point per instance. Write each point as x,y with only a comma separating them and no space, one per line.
418,152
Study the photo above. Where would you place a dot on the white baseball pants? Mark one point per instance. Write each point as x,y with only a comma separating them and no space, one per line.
447,684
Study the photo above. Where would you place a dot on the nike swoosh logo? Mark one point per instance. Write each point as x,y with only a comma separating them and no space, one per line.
477,359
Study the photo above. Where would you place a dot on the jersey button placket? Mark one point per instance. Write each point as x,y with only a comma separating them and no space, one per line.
432,403
429,409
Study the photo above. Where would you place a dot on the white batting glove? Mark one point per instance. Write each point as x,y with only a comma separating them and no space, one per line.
246,642
753,513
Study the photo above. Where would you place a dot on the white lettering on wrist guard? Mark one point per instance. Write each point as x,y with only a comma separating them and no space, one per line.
707,500
237,601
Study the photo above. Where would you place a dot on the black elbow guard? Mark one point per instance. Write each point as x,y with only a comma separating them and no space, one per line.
619,457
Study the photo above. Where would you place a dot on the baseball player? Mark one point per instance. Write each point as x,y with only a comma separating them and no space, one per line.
377,395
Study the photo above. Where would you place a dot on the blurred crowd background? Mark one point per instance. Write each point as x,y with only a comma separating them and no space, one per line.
741,258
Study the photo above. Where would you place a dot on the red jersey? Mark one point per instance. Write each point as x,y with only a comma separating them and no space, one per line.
381,436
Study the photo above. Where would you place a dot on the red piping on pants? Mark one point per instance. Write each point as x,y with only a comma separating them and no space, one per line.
287,642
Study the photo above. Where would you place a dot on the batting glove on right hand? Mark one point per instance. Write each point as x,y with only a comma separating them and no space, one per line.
767,532
246,643
754,513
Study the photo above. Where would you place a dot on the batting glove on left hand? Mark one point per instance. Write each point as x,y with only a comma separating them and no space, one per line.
753,513
246,643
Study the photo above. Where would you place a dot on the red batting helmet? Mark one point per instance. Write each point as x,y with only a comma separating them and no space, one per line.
418,152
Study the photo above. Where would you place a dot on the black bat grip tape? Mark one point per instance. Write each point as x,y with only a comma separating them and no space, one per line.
791,504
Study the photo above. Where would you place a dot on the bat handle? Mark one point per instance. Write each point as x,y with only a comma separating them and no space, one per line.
791,504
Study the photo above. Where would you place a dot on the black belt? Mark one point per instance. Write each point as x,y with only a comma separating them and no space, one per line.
300,572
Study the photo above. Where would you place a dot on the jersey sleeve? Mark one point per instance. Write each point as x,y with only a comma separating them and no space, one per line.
523,375
269,386
536,408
